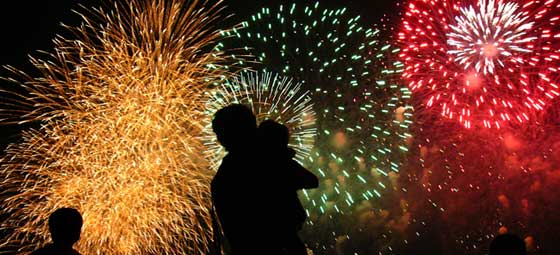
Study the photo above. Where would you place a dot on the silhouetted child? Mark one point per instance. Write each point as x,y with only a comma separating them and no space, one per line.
65,225
274,138
507,244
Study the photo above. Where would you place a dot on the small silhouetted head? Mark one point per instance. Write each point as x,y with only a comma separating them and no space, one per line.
507,244
274,134
235,125
65,225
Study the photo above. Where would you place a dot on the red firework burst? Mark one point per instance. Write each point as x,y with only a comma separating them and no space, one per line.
484,63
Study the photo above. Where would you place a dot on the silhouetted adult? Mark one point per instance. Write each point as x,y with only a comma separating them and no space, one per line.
236,186
65,225
508,244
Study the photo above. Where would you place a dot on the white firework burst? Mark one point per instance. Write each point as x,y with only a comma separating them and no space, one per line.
484,36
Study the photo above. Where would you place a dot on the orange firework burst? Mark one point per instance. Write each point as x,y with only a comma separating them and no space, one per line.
119,109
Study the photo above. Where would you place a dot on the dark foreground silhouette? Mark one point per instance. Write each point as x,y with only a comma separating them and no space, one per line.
289,177
254,189
507,244
65,225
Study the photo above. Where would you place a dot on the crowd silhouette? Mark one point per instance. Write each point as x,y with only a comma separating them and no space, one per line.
256,209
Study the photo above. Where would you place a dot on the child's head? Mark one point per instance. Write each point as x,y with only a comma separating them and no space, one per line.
65,225
274,134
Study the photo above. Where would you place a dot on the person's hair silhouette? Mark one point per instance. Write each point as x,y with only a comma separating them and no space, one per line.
233,125
507,244
65,226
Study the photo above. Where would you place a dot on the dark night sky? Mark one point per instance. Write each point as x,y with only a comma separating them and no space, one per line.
30,25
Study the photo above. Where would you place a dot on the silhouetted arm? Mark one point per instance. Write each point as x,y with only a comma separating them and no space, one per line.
303,178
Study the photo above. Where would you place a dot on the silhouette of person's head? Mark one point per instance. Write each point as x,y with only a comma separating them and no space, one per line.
65,225
235,126
274,134
507,244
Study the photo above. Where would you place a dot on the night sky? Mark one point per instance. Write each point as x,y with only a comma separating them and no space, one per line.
28,26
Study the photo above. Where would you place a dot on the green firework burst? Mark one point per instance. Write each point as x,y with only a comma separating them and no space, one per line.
362,114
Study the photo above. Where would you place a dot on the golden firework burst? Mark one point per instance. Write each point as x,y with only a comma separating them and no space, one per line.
119,108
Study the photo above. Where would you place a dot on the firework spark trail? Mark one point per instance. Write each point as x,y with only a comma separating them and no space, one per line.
483,63
270,96
119,109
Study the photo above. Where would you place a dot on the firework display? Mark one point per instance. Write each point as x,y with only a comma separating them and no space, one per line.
270,96
483,63
119,110
477,191
431,132
361,118
362,115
